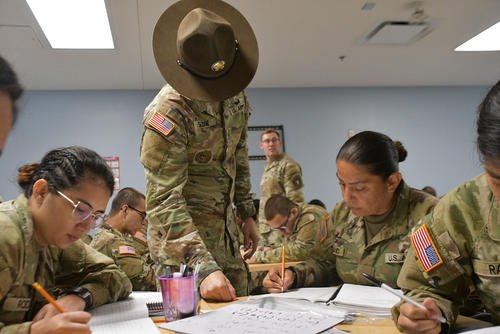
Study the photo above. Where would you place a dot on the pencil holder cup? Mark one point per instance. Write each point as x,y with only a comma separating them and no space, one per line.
180,297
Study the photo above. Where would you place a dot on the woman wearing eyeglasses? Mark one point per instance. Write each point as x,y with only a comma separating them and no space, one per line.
368,230
63,196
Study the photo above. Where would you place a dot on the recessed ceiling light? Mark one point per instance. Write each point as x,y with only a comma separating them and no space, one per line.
75,24
487,40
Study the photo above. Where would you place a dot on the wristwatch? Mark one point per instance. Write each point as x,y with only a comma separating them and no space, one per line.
80,292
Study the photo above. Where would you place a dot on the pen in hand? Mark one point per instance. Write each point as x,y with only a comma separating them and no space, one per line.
398,293
47,296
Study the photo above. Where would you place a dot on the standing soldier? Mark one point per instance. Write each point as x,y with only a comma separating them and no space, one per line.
194,146
282,176
115,239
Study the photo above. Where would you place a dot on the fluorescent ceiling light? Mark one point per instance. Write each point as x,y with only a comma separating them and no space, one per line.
488,40
74,24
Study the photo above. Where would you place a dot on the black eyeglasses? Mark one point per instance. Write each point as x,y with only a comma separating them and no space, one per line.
141,213
282,227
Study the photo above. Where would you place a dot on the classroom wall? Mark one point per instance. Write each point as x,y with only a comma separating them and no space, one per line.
436,125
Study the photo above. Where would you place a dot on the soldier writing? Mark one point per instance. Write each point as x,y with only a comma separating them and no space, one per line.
368,230
299,224
63,196
194,147
457,246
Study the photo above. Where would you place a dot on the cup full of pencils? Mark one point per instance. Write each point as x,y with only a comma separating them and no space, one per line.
180,294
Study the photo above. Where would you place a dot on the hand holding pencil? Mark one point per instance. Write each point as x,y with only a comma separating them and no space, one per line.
54,317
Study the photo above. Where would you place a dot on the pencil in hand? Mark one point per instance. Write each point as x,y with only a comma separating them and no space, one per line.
47,296
282,267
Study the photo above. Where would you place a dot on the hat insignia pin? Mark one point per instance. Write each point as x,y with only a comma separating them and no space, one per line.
218,66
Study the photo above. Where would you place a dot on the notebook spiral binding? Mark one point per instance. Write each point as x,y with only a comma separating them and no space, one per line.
155,308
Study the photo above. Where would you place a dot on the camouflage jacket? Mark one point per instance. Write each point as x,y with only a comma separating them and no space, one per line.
195,157
140,243
23,262
281,177
464,230
346,254
120,247
306,234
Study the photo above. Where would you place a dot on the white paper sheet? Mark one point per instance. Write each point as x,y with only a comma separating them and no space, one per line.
311,294
242,318
136,326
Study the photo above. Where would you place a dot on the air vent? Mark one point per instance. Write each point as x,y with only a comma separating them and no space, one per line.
397,32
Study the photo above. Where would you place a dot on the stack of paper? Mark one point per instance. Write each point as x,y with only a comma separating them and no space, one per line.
366,300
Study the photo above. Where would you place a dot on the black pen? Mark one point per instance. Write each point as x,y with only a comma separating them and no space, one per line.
335,293
398,293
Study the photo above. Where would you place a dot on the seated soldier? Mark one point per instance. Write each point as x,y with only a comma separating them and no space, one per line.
301,225
115,240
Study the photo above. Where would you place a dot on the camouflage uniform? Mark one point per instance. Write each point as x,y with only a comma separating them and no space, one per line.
23,262
346,253
196,164
120,247
306,234
465,230
281,177
140,242
87,238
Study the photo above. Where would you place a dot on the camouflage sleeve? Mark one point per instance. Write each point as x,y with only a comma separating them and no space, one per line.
81,265
298,249
293,182
138,270
243,198
5,284
22,328
172,235
315,272
447,282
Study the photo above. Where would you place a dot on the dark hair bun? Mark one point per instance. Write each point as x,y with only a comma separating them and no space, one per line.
25,174
402,152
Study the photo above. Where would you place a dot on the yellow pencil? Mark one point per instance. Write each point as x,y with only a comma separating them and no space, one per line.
46,295
282,267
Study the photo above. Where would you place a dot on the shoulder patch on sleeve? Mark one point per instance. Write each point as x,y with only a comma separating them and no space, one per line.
323,229
425,248
125,249
161,124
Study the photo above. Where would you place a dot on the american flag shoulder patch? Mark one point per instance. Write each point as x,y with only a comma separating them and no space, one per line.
426,250
126,250
323,229
161,124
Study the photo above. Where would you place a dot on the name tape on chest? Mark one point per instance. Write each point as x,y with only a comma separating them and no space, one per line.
17,304
161,124
426,250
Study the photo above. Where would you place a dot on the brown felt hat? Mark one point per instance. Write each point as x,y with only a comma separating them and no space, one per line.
205,49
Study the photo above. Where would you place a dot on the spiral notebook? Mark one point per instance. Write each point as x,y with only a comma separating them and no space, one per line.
131,315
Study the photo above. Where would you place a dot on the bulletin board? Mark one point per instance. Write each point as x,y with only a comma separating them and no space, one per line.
114,165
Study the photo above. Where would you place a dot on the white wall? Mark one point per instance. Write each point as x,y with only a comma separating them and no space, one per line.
436,125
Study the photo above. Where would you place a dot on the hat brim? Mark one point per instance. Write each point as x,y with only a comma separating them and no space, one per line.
189,85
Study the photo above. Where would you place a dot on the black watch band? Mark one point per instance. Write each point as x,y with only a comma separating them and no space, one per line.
80,292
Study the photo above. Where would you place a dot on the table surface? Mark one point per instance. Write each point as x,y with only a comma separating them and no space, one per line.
361,326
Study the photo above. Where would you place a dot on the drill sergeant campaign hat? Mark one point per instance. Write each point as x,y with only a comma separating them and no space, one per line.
205,49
